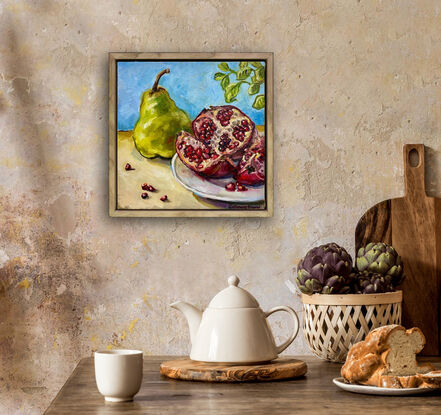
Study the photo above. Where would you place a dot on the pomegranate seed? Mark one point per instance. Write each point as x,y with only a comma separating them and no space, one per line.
144,186
164,198
241,188
128,167
244,122
144,195
150,188
231,187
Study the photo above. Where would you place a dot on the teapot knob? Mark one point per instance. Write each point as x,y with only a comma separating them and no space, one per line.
233,280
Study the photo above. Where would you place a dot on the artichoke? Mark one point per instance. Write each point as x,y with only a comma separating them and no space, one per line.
367,282
382,259
325,269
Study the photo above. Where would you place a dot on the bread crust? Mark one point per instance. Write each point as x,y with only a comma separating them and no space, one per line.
431,379
398,382
366,363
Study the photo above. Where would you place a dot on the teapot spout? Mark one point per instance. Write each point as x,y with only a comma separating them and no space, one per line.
192,314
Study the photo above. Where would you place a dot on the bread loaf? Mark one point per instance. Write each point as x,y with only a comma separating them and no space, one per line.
387,358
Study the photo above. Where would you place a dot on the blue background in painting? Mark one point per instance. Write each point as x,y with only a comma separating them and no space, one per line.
190,84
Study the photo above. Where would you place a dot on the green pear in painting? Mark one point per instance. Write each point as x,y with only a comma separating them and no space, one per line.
159,122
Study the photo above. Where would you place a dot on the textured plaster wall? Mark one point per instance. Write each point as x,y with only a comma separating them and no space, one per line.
354,81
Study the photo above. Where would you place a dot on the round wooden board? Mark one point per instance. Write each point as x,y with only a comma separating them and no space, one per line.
186,369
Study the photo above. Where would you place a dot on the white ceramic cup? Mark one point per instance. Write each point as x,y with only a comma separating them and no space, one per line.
118,374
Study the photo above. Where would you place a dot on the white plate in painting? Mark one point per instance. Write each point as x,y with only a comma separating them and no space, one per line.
213,188
374,390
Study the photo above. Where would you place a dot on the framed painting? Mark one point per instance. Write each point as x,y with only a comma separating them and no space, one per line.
191,134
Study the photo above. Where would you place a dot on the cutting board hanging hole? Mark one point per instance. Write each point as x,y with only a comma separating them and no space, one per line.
414,170
414,158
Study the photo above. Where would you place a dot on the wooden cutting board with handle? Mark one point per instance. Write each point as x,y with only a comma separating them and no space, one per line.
412,225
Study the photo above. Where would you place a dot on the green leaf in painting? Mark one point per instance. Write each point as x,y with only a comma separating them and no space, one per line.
243,73
259,102
253,89
232,91
218,76
225,82
223,67
256,64
243,65
260,73
255,80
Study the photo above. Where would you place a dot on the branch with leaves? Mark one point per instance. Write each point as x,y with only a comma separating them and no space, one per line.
249,73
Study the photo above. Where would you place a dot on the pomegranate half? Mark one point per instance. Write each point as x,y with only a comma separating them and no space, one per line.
221,135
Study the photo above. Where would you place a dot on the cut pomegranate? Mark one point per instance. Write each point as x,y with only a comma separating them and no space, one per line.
220,136
251,168
201,158
226,128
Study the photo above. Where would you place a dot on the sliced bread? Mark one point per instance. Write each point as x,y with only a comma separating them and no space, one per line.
387,358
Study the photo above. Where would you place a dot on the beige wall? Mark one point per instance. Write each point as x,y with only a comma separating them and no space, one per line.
354,81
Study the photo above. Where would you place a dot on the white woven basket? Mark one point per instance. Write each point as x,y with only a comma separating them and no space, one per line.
333,323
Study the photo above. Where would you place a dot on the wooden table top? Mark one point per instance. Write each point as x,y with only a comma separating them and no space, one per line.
313,394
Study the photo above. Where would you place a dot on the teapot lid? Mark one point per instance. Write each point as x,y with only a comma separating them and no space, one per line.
233,296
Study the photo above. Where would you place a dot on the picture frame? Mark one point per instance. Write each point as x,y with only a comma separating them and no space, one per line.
185,191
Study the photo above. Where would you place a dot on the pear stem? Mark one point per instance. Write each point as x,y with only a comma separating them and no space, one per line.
158,77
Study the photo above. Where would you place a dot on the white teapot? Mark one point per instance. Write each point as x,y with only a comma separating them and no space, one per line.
233,329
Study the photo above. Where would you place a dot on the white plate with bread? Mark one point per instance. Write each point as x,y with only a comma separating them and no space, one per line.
385,364
375,390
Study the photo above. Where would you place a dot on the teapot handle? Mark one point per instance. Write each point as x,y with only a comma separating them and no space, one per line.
293,314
